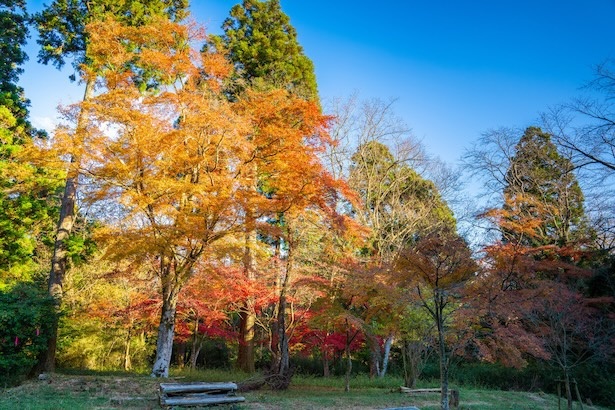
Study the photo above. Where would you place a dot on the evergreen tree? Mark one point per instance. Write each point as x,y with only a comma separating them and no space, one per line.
13,36
263,45
541,182
27,201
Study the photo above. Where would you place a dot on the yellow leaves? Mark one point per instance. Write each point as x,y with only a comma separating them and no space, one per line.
158,51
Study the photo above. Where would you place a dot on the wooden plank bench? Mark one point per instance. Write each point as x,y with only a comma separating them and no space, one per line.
198,394
452,394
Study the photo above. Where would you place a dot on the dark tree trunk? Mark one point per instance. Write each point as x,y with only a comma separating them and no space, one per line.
64,229
444,365
247,318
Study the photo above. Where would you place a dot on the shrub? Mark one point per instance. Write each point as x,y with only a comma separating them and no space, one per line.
26,314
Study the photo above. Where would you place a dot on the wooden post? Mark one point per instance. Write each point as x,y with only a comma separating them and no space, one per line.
454,399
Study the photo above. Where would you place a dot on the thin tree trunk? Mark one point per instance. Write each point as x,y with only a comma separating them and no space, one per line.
63,231
443,359
348,357
326,371
127,361
349,340
568,389
283,344
196,344
247,319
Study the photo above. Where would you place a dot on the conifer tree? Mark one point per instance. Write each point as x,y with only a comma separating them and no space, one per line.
263,45
537,171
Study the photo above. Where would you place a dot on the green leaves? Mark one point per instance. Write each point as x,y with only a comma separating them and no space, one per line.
25,317
263,45
541,174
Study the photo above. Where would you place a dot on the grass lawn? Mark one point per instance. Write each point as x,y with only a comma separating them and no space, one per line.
100,391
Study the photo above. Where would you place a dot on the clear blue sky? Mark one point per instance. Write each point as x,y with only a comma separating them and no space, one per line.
457,68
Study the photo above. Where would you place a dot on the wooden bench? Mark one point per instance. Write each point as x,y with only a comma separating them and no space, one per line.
198,394
452,394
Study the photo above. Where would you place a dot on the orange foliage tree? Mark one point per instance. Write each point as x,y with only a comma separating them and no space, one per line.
176,165
435,271
527,300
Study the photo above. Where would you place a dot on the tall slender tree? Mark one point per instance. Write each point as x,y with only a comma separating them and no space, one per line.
262,45
62,37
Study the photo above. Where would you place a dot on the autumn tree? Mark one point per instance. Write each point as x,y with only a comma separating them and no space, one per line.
398,205
62,36
262,45
435,271
174,163
527,300
289,133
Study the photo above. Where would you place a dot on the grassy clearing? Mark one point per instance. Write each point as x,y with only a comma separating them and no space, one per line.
104,391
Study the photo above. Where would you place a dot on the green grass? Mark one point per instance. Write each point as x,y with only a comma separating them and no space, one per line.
104,391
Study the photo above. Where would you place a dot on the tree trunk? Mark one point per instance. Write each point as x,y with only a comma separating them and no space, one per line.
247,319
283,365
443,359
63,231
127,361
374,355
283,347
348,370
387,354
568,389
197,344
166,329
347,345
326,370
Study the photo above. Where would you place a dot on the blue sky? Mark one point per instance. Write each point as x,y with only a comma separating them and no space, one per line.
456,68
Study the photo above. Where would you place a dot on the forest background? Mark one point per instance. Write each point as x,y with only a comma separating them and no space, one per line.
213,211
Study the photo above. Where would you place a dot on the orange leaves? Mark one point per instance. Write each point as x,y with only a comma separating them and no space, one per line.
157,51
440,260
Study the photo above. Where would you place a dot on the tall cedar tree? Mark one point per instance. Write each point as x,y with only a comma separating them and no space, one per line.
262,45
538,171
62,36
13,36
